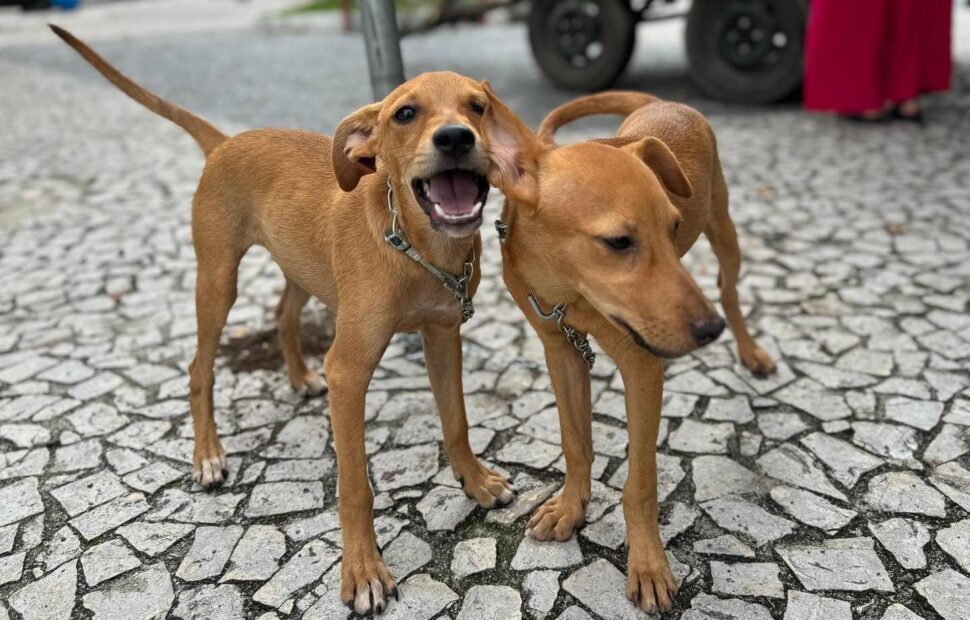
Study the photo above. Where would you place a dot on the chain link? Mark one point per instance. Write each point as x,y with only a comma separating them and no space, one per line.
577,340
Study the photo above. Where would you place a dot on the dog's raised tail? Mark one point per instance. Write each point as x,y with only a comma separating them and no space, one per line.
207,136
622,102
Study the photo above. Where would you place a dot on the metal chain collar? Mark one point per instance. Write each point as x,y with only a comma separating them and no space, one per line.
457,285
579,342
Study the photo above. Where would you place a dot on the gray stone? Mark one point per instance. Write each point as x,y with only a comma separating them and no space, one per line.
534,453
899,612
716,476
708,607
107,560
955,540
950,443
19,500
89,492
737,515
275,498
105,517
904,492
257,555
747,579
701,437
788,463
305,567
25,435
905,539
806,606
443,508
780,426
177,505
49,598
421,598
602,588
152,477
396,469
954,482
81,455
734,409
8,533
723,545
491,603
574,612
210,601
311,527
948,592
894,442
209,553
532,554
814,399
61,547
541,588
811,509
529,493
154,538
303,437
11,567
838,564
145,595
298,469
845,462
922,414
406,554
473,556
609,531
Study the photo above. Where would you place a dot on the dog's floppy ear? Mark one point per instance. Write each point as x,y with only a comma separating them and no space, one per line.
513,151
354,151
658,158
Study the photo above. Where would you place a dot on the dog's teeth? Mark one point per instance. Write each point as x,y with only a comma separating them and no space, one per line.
439,210
426,186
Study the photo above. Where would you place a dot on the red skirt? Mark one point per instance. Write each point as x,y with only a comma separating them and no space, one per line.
861,54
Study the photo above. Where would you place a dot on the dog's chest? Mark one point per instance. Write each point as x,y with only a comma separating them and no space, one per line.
434,305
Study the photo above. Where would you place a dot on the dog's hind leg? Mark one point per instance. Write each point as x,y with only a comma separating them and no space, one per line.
442,354
721,233
288,310
214,295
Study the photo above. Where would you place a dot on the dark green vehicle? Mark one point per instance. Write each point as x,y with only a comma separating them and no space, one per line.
738,50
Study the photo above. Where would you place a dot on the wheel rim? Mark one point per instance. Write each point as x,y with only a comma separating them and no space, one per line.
576,28
750,38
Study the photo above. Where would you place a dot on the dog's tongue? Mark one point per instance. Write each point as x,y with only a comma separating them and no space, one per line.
455,191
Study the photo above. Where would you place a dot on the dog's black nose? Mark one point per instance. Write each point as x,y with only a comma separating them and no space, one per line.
454,140
707,330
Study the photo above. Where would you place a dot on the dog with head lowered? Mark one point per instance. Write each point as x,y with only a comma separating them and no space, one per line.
380,223
593,234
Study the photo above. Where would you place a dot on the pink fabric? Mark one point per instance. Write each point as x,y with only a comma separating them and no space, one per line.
860,54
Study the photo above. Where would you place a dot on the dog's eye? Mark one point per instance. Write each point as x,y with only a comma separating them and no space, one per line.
405,114
619,244
477,108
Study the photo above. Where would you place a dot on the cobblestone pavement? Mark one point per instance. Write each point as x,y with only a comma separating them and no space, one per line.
838,488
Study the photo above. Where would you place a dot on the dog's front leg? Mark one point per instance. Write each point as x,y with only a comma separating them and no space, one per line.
349,365
442,355
559,516
650,584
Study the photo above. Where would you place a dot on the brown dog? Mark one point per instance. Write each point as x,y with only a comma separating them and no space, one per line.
302,196
594,233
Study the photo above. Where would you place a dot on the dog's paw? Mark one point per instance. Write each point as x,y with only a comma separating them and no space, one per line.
209,466
365,583
650,585
758,361
488,488
309,383
558,518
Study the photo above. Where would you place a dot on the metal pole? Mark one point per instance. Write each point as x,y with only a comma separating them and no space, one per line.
383,43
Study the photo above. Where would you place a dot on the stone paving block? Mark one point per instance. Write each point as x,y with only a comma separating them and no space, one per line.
107,560
948,592
209,553
747,579
838,564
145,594
491,603
807,606
473,556
50,597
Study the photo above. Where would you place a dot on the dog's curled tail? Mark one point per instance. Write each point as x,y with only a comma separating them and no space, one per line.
207,136
623,102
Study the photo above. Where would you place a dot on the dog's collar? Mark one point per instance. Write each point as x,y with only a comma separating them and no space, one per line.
558,312
458,285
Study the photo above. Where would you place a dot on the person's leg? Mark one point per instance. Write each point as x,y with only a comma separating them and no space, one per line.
844,56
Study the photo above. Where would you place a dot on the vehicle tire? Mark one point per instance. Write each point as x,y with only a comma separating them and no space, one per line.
747,50
582,44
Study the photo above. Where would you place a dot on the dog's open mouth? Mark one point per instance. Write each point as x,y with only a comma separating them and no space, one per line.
452,198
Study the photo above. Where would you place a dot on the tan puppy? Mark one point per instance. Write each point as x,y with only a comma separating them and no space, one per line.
309,201
595,232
